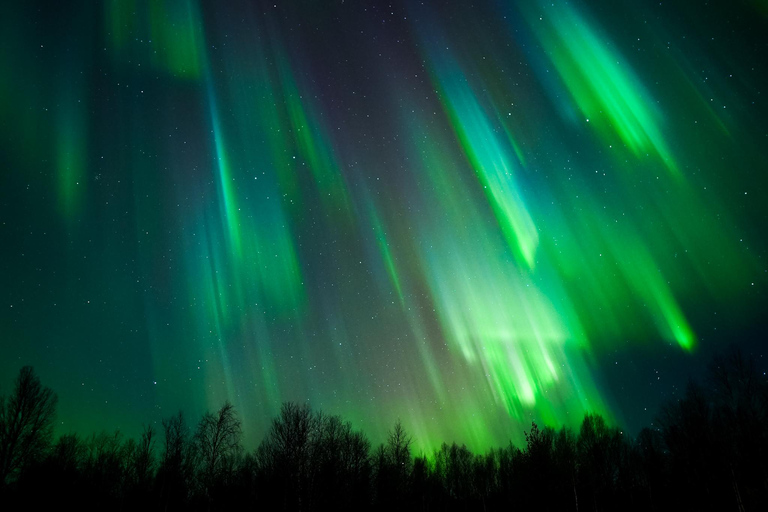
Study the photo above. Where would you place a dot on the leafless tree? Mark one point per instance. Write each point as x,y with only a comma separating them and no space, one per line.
175,430
288,452
26,423
143,460
289,443
218,443
177,463
399,446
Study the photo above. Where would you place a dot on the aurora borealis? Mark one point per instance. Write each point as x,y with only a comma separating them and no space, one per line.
465,215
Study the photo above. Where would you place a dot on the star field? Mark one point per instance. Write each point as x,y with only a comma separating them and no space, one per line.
464,215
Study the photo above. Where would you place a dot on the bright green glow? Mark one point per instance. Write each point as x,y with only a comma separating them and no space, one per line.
499,316
617,275
610,96
489,158
496,317
644,276
237,206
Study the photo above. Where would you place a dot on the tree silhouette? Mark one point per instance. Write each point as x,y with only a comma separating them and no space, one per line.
454,467
140,466
285,457
218,445
740,421
564,456
652,459
178,461
598,452
26,422
399,449
393,465
105,467
144,457
706,451
537,467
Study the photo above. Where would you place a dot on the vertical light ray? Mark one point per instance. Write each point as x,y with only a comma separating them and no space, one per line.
495,316
71,159
176,29
166,33
312,142
455,217
619,281
644,275
385,251
120,20
488,155
226,181
609,94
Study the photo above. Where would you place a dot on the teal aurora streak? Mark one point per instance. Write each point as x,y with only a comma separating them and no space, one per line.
445,213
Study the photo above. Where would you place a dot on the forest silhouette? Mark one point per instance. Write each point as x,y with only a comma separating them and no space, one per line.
706,451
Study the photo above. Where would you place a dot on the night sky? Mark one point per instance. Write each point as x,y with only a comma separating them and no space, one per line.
466,215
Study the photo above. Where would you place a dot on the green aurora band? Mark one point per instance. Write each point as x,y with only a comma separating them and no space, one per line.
448,229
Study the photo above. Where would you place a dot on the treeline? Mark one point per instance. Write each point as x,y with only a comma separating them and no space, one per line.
707,451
